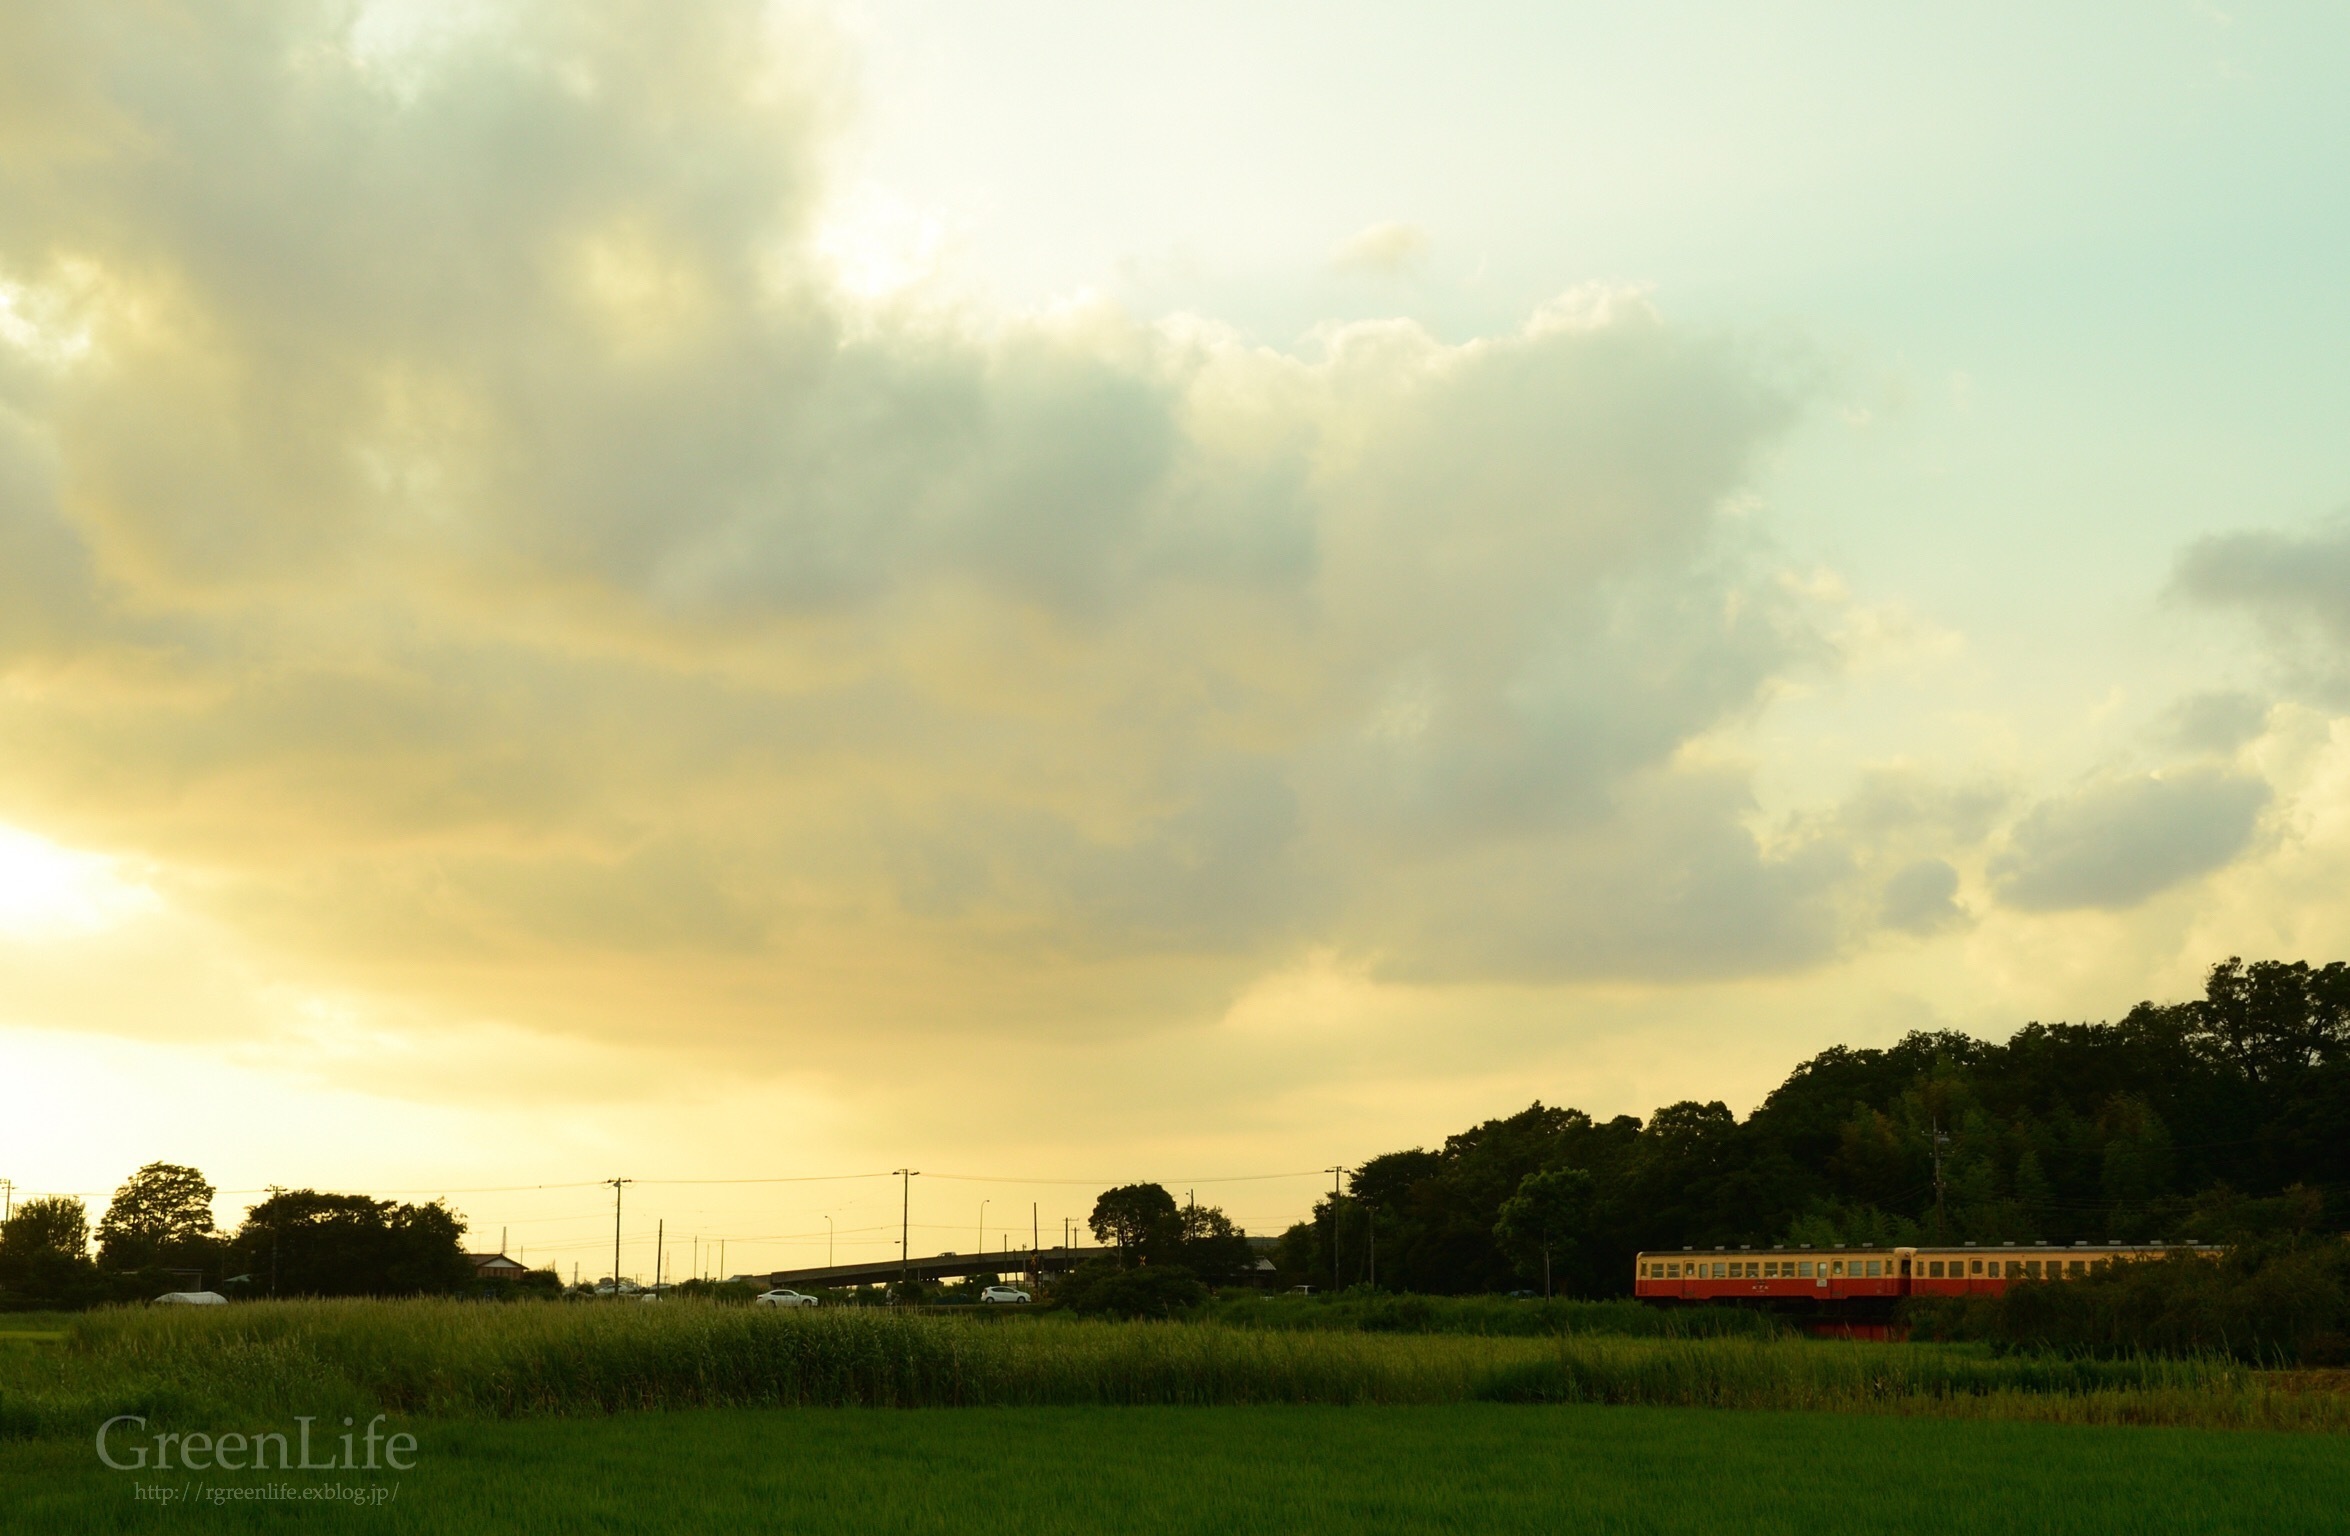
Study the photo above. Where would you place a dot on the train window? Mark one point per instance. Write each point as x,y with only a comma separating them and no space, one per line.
1771,1269
2032,1267
1719,1269
1876,1268
1995,1267
1974,1266
1803,1268
1934,1270
1835,1267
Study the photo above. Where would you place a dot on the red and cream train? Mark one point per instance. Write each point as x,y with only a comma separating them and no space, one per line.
1819,1275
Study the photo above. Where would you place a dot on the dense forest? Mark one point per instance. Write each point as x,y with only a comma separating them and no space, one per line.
2221,1118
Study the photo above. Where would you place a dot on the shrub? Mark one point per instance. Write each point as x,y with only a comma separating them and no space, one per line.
1154,1290
2277,1302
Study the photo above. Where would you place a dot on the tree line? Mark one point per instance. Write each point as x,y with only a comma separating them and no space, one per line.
2224,1118
158,1235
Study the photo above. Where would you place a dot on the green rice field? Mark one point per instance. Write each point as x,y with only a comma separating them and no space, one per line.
1462,1468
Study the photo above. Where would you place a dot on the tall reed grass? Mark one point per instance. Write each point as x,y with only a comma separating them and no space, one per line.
1496,1316
270,1361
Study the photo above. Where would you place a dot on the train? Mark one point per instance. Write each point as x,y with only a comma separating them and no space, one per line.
1866,1279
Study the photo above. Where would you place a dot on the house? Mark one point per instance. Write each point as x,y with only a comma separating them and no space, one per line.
496,1266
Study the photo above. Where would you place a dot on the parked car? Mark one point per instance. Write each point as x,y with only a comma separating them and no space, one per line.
190,1299
1301,1290
783,1297
1004,1293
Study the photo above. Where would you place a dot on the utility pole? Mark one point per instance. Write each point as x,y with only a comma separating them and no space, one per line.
982,1248
7,1199
722,1261
275,1190
1941,1231
660,1247
1334,1198
828,1242
616,1183
905,1227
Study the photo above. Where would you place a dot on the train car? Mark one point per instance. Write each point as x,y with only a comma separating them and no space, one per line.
1870,1278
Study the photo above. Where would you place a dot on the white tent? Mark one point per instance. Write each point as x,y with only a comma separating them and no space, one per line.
190,1299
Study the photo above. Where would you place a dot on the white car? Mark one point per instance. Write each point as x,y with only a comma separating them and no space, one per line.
1004,1293
784,1298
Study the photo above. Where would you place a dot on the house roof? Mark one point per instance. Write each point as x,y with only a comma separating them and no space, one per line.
496,1261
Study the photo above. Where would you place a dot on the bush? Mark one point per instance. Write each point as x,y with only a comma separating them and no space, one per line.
1154,1290
2285,1301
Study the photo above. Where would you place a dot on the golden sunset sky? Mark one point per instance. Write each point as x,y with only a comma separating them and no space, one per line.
1068,593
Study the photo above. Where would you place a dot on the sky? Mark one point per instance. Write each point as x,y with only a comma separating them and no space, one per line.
744,596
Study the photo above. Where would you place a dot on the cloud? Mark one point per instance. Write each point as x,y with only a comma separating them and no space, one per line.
2295,585
1383,250
495,556
1921,898
2219,721
2116,843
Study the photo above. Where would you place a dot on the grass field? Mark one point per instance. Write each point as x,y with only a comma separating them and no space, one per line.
456,1360
1463,1468
1499,1317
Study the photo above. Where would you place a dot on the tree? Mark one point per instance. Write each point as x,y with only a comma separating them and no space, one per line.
1211,1247
316,1244
1551,1210
162,1216
47,1224
1140,1220
45,1256
2273,1020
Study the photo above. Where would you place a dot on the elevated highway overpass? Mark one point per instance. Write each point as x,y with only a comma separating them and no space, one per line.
938,1266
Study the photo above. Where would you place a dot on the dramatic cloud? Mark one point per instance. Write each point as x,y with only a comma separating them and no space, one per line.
2116,843
456,523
